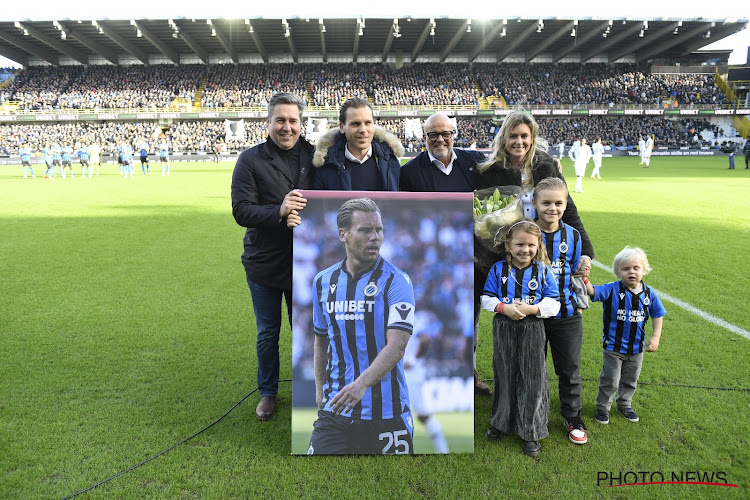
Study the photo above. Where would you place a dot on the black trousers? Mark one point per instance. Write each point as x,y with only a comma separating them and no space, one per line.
565,338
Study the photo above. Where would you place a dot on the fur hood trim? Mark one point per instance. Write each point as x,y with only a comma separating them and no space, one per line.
331,137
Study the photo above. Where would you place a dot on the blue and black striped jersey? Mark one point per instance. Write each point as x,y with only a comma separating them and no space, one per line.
564,252
625,315
355,312
83,153
530,284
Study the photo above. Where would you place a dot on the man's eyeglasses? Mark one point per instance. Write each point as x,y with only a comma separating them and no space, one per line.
445,135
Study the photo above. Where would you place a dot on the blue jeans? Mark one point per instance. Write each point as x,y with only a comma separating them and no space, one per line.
267,308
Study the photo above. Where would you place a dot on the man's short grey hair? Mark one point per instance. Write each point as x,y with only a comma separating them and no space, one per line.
346,211
285,98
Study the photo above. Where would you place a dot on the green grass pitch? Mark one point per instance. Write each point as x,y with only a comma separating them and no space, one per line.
126,326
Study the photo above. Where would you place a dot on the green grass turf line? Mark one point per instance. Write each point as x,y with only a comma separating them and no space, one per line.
126,326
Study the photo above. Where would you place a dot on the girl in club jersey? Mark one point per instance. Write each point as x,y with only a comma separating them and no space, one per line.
521,290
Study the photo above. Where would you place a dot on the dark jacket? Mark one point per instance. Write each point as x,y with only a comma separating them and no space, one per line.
417,175
746,147
260,181
542,168
331,172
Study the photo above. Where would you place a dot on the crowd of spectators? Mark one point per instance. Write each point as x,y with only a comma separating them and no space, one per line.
248,85
101,87
183,136
425,84
201,136
593,84
623,132
333,83
419,84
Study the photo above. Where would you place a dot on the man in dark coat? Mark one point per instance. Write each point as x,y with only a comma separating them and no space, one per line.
441,168
265,187
444,169
358,156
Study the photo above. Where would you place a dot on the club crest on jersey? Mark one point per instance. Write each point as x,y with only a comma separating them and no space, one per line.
533,284
646,301
371,289
333,288
504,278
563,247
622,296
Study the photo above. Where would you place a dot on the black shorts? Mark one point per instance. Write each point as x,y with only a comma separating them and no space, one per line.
66,163
25,163
338,435
84,163
56,163
144,159
164,158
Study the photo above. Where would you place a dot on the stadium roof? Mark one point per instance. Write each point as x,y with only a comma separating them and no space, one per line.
361,39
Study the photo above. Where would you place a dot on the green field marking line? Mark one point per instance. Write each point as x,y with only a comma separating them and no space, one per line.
692,309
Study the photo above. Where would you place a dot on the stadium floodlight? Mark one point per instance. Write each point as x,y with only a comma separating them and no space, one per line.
641,33
503,33
468,25
505,21
17,25
433,24
247,21
396,29
208,21
56,25
573,32
213,32
25,32
645,25
132,22
93,23
138,33
63,35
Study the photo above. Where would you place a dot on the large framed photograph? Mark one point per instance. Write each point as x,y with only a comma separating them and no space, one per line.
383,324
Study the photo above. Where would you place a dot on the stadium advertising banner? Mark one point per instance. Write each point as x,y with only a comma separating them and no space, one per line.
412,284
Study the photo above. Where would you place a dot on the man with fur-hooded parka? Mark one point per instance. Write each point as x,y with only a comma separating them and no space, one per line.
332,172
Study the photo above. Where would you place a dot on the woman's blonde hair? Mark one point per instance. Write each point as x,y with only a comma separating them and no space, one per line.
499,155
527,226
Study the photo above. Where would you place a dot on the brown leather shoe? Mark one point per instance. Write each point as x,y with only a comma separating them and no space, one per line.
480,387
266,407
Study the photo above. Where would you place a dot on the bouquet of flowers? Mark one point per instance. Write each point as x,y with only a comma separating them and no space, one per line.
495,210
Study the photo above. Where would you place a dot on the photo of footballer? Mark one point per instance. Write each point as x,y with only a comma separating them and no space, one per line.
356,308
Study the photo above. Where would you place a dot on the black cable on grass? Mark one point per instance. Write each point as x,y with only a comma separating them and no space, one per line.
287,380
168,449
